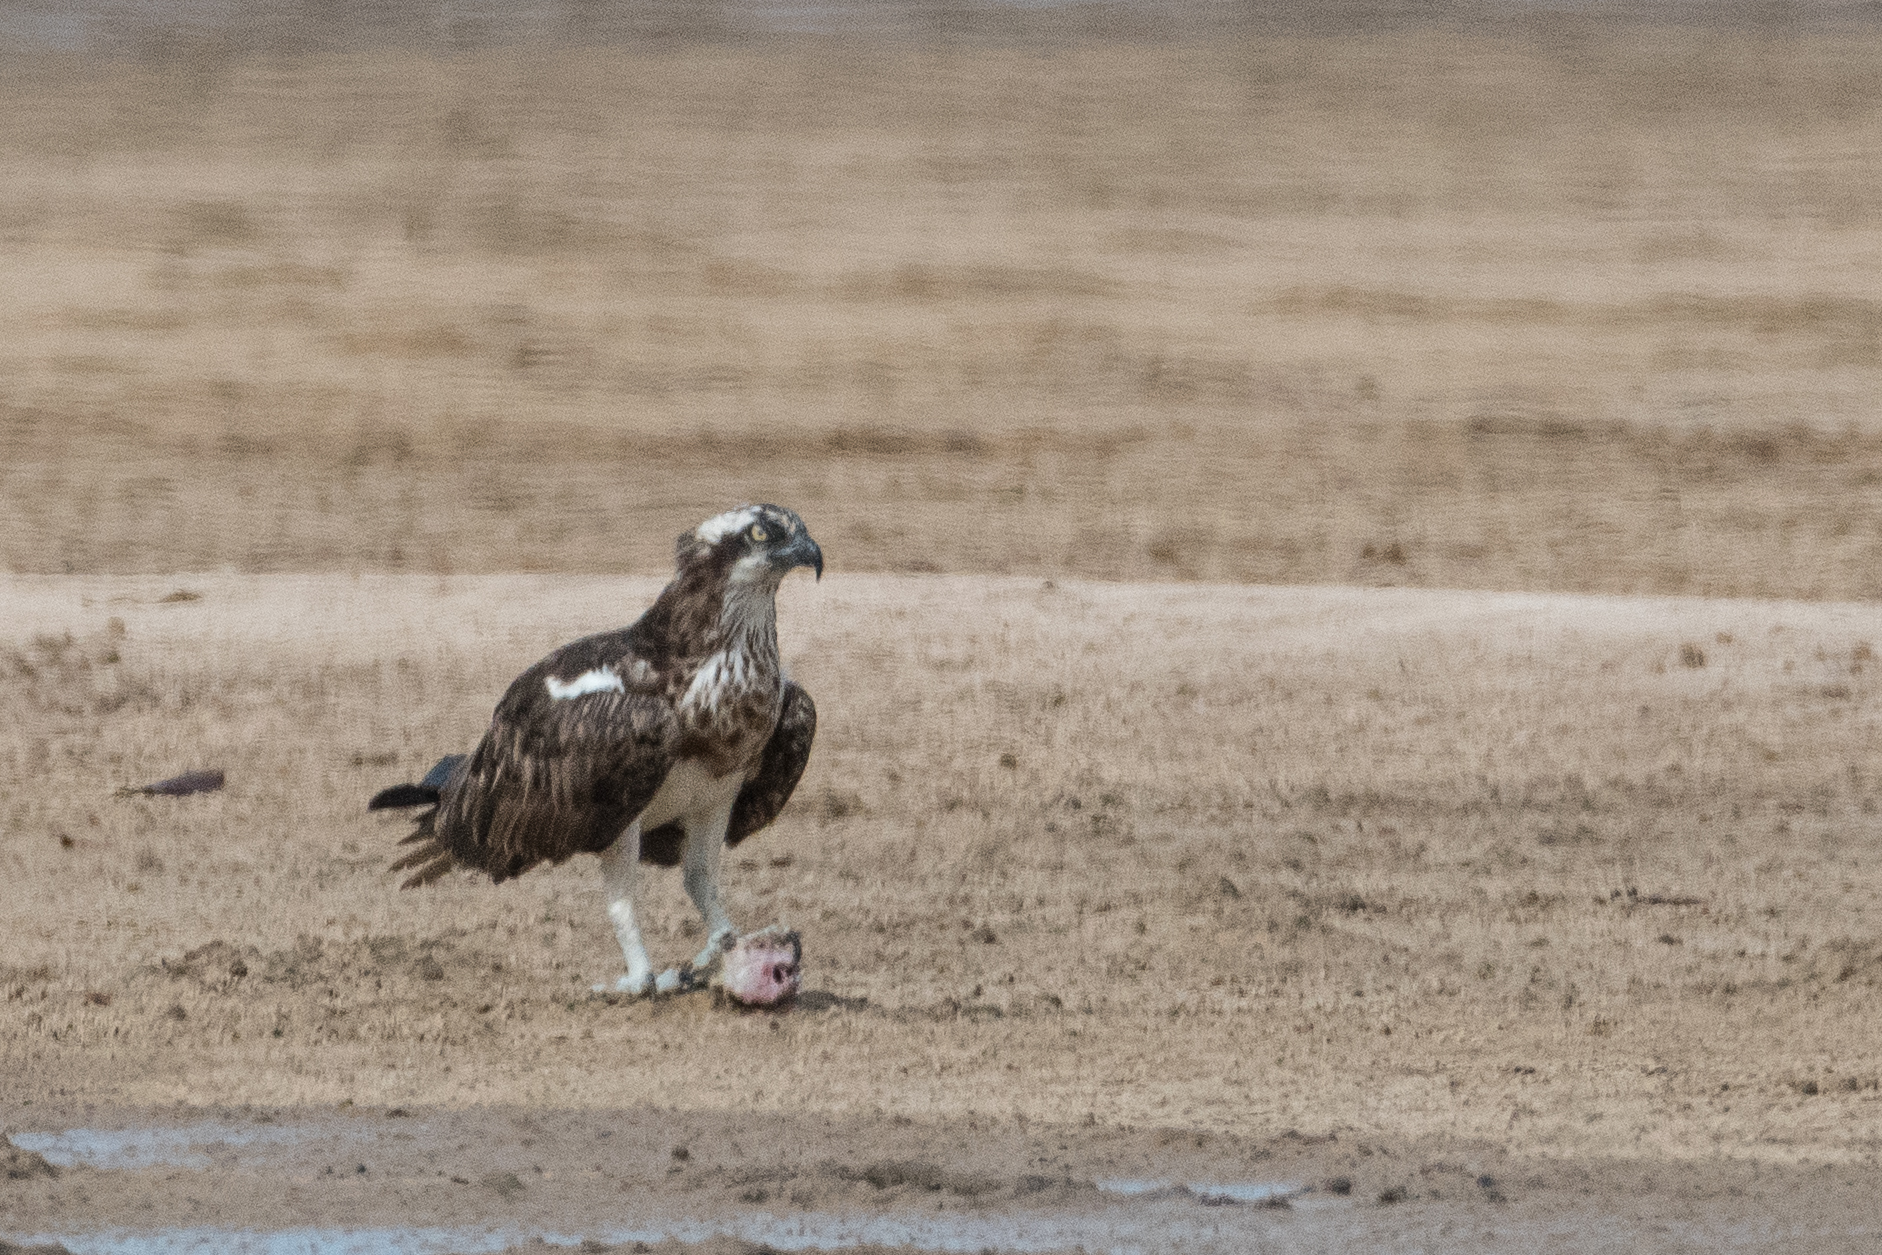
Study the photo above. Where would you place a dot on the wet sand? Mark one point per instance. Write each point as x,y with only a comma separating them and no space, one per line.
415,1180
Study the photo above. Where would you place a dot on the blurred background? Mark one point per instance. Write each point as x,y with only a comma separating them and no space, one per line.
1577,297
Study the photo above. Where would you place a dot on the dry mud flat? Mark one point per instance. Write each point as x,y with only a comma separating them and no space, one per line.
1098,884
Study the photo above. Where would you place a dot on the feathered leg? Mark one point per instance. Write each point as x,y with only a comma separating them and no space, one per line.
705,849
620,874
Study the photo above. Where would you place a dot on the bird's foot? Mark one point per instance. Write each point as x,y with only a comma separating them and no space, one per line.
722,939
632,985
678,980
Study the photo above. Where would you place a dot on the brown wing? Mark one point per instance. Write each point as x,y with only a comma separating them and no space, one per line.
782,766
552,777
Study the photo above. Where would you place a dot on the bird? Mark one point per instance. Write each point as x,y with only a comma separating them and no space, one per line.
662,742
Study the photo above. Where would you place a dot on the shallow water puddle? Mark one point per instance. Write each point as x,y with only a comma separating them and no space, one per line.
1156,1223
188,1146
1115,1234
194,1146
1134,1215
302,1241
1152,1226
1213,1194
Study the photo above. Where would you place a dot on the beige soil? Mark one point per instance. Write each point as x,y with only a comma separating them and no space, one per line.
1470,879
1173,876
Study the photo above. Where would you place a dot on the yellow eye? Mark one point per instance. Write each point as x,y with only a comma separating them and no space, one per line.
758,533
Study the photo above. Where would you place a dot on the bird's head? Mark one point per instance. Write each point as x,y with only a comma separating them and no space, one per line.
753,547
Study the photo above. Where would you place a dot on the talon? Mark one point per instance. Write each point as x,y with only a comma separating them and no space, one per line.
716,946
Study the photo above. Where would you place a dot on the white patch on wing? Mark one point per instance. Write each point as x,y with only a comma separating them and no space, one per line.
600,680
717,528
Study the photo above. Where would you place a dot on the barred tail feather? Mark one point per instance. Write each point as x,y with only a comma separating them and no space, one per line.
434,870
400,796
425,793
432,858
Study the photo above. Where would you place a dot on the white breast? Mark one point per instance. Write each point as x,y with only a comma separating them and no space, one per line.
721,679
691,792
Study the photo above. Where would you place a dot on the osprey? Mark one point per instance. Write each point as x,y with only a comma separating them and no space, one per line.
663,742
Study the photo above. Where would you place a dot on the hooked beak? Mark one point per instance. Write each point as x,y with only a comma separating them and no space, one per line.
802,551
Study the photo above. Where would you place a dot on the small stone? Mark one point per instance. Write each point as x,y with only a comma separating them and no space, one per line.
504,1184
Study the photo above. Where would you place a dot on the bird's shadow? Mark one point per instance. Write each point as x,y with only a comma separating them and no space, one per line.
824,1000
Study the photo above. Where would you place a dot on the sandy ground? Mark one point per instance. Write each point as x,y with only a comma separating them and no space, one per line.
1167,822
1193,882
1566,304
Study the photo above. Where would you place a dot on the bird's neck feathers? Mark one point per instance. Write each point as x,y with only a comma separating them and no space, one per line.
748,617
709,608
